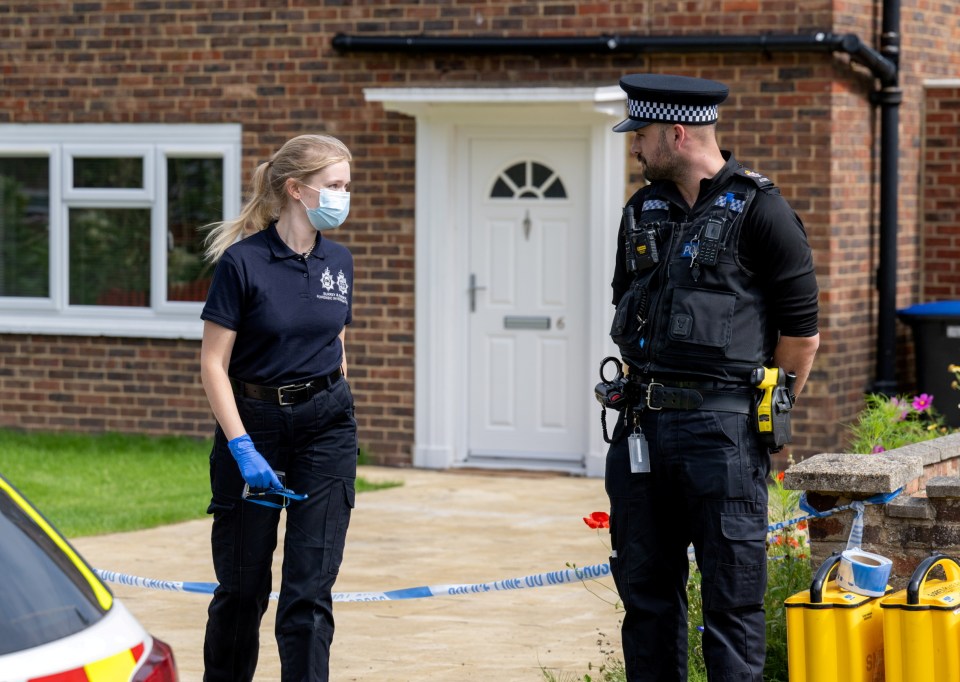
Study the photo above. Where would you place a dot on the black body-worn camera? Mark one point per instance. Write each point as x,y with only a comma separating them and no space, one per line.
640,243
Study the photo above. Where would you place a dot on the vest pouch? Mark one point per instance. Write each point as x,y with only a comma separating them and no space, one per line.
702,318
629,322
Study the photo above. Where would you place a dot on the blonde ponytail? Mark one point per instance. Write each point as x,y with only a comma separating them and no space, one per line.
298,158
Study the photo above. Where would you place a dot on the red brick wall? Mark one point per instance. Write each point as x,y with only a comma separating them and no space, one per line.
67,383
932,29
803,119
941,194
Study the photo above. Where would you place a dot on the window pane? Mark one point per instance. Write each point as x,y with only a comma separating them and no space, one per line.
194,199
108,173
555,190
110,256
24,227
501,190
540,174
517,173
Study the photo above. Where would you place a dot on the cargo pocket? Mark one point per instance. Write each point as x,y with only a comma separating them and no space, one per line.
741,572
342,501
615,566
615,569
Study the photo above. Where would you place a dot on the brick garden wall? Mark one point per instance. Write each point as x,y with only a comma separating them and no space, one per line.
803,119
924,517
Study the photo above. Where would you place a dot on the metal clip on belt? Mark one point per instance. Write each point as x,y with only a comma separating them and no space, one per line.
291,394
659,397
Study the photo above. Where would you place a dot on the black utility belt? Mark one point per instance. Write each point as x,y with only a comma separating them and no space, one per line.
657,396
291,394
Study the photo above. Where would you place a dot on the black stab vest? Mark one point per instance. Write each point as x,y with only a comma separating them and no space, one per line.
683,317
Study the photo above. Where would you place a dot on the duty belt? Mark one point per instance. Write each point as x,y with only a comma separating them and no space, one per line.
291,394
657,396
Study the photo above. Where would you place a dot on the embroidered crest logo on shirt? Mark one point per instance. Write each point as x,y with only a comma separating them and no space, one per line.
327,282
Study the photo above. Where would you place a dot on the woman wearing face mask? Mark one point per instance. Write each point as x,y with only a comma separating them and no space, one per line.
273,366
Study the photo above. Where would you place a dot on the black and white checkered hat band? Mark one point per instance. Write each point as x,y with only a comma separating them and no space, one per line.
674,113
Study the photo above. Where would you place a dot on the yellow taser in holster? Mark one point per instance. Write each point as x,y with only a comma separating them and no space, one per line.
772,408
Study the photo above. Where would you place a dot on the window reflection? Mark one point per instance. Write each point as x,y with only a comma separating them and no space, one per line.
107,173
24,227
110,256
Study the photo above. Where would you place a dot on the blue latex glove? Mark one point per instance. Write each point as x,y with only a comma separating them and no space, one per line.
253,467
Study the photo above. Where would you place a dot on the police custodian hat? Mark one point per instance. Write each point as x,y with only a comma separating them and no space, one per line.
660,98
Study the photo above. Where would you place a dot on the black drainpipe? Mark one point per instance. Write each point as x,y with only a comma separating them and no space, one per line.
884,66
888,97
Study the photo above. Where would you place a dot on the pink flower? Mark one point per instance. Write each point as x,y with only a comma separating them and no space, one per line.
878,448
922,402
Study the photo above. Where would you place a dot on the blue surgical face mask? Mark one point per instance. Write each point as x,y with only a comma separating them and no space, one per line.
332,209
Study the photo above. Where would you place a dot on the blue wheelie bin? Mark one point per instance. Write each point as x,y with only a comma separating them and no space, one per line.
936,340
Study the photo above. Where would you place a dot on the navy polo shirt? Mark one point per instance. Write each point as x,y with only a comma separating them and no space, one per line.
287,311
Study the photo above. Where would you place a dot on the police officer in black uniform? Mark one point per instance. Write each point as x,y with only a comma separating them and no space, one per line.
273,364
714,278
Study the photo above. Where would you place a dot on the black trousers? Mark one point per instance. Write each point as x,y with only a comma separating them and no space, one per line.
315,444
707,485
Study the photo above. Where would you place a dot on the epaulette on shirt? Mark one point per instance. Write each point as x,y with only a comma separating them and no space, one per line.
761,181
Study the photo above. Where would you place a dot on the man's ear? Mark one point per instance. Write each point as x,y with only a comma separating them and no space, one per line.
679,133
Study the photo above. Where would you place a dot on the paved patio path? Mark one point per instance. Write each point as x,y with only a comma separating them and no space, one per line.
438,528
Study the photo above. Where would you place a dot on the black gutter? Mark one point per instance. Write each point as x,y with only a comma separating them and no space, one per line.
883,65
820,41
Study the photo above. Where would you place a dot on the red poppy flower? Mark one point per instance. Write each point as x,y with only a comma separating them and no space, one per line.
780,476
802,525
597,520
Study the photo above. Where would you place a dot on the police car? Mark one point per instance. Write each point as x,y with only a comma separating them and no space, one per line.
58,621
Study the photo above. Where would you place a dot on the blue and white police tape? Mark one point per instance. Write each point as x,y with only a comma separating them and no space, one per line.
880,498
567,575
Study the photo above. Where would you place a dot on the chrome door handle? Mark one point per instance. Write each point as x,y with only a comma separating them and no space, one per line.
472,289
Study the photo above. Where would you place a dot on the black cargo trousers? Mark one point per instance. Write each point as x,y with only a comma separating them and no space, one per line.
707,486
314,443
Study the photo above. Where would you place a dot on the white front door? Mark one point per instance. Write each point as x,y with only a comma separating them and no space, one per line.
527,289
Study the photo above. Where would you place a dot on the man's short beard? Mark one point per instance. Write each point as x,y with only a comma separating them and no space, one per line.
668,166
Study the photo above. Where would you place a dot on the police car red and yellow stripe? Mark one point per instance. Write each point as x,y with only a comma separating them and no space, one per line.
117,667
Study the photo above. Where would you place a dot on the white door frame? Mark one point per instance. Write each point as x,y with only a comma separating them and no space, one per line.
440,439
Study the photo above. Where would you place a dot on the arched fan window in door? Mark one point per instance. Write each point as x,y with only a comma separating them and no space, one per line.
528,180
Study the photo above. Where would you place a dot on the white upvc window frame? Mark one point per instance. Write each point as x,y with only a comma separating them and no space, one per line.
154,143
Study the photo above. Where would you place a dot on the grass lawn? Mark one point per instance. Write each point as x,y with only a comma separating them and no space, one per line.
90,484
